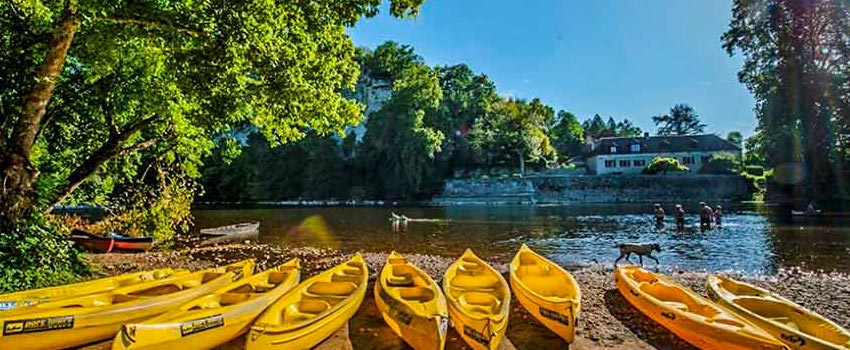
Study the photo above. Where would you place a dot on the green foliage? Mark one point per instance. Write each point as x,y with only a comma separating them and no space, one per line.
663,165
515,129
567,135
735,138
682,120
598,128
756,170
795,56
721,163
33,255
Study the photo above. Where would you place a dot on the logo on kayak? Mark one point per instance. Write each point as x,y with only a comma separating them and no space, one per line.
6,305
634,293
793,339
444,324
669,315
201,324
476,335
555,316
38,325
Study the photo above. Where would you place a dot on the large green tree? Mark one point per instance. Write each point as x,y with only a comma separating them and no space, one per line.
515,129
796,55
682,120
168,70
567,135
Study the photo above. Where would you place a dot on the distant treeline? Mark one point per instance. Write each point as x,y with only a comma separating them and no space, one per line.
422,125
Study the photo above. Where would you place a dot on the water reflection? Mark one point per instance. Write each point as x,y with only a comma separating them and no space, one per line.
570,235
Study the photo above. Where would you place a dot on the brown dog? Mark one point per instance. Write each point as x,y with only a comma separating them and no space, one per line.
626,250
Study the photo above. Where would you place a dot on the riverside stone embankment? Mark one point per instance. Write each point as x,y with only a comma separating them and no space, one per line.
567,189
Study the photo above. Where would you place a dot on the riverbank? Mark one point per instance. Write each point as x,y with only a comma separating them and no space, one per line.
607,320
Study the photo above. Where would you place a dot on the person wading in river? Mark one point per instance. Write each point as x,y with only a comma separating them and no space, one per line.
680,217
659,215
718,216
705,215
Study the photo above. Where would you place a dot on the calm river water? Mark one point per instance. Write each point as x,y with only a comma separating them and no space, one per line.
570,235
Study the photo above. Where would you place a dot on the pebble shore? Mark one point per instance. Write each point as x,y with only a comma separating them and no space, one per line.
607,320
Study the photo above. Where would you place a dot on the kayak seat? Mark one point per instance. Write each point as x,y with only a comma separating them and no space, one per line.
420,294
676,305
469,268
396,261
276,277
534,270
332,289
482,282
353,275
306,309
726,321
481,304
399,281
161,290
233,298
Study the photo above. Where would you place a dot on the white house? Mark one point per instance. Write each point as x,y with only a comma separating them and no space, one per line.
630,155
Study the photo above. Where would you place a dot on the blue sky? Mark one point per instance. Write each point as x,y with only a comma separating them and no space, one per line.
618,58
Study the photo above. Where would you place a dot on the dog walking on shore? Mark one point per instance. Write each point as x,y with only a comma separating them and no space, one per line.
626,250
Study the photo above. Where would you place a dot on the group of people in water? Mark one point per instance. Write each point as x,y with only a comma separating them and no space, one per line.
707,215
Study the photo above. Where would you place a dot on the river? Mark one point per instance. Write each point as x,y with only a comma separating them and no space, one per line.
749,242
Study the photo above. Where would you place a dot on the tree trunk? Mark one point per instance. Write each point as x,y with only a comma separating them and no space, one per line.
521,163
18,173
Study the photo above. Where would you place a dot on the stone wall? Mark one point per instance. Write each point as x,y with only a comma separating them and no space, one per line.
595,189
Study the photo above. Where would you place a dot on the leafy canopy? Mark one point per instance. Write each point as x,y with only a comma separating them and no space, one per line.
682,120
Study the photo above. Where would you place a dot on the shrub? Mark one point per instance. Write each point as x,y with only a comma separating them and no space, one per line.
721,163
33,255
756,170
663,165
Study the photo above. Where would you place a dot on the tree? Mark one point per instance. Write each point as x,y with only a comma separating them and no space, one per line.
172,66
567,135
399,146
663,165
149,85
735,138
721,164
682,120
594,126
795,64
597,128
515,129
625,128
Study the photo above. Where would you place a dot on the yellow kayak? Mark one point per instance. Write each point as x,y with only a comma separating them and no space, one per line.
412,304
793,324
76,321
693,318
479,301
547,291
215,318
35,296
312,311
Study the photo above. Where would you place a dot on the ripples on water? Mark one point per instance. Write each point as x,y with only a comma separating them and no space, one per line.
569,235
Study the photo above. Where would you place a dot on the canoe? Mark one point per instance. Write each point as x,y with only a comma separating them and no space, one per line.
213,319
479,301
313,310
821,214
693,318
547,291
789,322
76,321
37,296
412,304
131,244
92,243
231,229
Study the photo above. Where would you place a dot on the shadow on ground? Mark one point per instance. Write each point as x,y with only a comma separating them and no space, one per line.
642,326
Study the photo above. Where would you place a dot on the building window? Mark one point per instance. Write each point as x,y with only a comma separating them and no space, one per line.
613,149
625,163
610,163
635,147
639,162
688,160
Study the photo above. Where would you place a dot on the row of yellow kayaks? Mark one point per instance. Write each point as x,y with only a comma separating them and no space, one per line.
737,316
178,309
476,298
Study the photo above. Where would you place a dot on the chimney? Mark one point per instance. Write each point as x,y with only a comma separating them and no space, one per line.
646,134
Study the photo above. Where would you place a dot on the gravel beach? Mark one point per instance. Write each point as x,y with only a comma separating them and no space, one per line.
607,320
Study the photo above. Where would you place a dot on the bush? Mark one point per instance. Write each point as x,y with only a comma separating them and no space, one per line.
34,255
663,165
721,163
756,170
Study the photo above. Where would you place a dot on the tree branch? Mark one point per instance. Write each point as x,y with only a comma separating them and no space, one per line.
154,24
139,146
